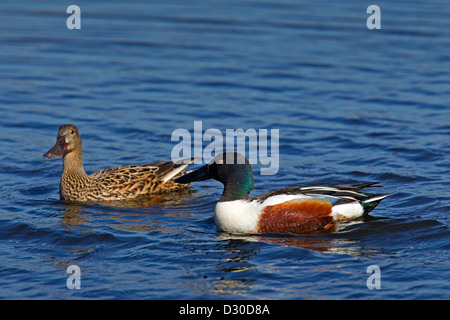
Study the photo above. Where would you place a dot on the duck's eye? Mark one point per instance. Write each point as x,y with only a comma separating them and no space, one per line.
220,161
72,132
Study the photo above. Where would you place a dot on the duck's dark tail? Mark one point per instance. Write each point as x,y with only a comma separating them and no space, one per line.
172,169
372,201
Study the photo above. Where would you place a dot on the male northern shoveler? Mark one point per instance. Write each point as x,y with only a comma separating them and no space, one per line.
289,210
121,183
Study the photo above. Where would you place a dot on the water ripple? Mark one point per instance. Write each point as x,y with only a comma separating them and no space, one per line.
352,105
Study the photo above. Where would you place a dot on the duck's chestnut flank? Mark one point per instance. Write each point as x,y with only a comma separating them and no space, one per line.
296,216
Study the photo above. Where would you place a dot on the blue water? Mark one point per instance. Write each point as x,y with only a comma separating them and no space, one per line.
352,105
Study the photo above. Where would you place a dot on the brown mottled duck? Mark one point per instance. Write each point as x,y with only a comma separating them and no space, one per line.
120,183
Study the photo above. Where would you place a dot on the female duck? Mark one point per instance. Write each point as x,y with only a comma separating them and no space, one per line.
126,182
288,210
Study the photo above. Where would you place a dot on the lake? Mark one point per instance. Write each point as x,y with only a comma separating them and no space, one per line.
351,105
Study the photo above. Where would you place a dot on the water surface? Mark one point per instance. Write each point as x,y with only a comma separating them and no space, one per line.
352,105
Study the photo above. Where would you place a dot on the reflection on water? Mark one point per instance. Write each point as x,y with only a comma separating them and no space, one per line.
235,286
72,216
321,243
73,213
239,267
164,199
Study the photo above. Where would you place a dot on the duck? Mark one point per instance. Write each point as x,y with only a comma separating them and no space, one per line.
119,183
295,210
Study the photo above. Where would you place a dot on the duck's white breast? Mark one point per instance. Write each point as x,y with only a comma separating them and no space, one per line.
238,216
241,216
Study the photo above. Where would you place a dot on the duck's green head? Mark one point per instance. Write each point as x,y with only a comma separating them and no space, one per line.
230,168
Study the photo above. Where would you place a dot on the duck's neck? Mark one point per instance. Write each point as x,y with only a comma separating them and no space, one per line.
73,164
237,188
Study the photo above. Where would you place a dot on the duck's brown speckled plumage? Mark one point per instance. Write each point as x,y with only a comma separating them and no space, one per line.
121,183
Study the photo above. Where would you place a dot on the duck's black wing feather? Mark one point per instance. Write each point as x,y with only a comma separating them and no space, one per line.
343,193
